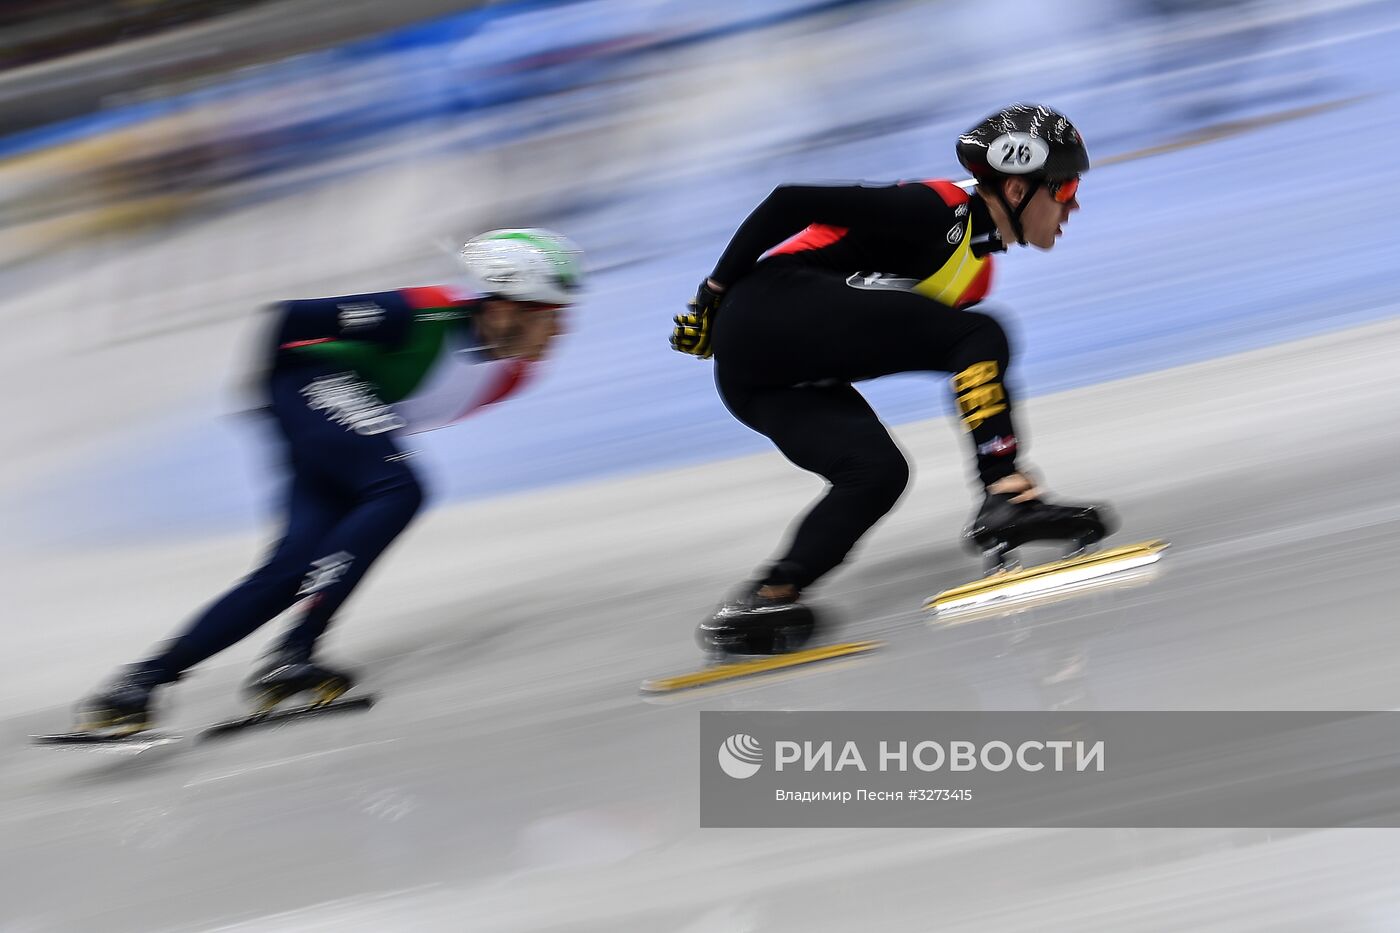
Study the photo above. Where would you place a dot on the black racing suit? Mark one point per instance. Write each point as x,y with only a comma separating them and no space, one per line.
826,286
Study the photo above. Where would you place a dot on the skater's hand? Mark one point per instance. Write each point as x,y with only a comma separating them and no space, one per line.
692,332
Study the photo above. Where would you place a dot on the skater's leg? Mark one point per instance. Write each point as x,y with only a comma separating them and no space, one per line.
830,431
349,496
124,704
974,348
903,332
349,490
312,511
387,496
365,466
791,326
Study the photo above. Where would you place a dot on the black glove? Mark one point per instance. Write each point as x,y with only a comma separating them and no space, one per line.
693,329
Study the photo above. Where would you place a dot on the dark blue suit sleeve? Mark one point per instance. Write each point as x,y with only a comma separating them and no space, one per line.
380,317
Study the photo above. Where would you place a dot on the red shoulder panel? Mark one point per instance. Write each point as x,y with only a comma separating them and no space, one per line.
429,296
814,237
951,194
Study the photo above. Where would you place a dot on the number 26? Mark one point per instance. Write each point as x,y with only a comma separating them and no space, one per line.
1020,154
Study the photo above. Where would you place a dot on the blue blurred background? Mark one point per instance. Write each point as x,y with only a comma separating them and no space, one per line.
170,167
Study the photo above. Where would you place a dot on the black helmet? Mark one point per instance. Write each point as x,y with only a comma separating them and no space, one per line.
1033,142
1023,141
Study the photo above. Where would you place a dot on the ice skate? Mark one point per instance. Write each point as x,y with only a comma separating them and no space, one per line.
750,623
1002,525
750,635
123,707
290,671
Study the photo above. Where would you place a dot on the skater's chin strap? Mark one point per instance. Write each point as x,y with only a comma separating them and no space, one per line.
1013,214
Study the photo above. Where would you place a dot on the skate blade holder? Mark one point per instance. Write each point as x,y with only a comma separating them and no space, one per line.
1048,582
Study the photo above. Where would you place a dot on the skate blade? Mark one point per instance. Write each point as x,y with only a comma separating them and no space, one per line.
734,670
122,743
1130,563
289,714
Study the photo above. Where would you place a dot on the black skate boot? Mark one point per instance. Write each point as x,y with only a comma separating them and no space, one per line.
753,624
124,706
1002,525
290,670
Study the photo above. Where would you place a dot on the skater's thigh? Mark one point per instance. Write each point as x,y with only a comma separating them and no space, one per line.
892,331
826,429
312,509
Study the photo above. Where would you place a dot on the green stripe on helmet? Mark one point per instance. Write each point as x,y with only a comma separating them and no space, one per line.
560,255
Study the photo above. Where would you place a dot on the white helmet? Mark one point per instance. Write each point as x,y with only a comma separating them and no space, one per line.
524,265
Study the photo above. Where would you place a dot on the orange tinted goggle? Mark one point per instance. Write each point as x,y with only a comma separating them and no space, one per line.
1063,191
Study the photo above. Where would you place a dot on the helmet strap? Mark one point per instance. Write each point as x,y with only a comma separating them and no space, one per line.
1014,214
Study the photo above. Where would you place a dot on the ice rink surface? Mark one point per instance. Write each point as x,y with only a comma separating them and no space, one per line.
1218,365
513,779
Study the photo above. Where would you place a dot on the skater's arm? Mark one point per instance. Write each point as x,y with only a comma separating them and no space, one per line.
792,208
381,318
